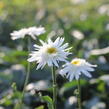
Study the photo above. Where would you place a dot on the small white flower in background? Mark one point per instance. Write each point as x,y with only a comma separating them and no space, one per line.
78,1
34,31
104,9
18,34
50,53
77,34
31,31
77,67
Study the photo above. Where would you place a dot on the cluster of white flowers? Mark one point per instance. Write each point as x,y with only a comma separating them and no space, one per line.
31,31
51,53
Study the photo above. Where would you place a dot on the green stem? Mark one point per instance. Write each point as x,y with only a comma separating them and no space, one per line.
28,71
54,87
79,95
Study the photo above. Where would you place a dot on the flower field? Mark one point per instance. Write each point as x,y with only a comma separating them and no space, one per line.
54,54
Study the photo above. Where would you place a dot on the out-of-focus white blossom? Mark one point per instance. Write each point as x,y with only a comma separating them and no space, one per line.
31,31
100,51
104,9
77,34
78,1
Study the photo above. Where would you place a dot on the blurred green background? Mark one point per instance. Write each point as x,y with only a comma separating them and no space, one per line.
83,23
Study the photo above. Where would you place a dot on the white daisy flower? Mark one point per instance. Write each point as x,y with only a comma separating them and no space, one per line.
34,31
49,53
77,67
18,34
31,31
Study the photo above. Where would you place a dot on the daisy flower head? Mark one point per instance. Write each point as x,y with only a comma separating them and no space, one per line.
18,34
50,53
35,31
31,31
76,67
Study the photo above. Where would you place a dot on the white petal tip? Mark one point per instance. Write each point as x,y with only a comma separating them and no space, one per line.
29,60
95,65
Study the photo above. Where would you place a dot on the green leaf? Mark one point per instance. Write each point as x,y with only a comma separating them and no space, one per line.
73,83
17,106
101,86
48,100
69,85
40,107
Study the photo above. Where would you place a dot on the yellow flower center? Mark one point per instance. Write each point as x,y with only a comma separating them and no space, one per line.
76,62
51,50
